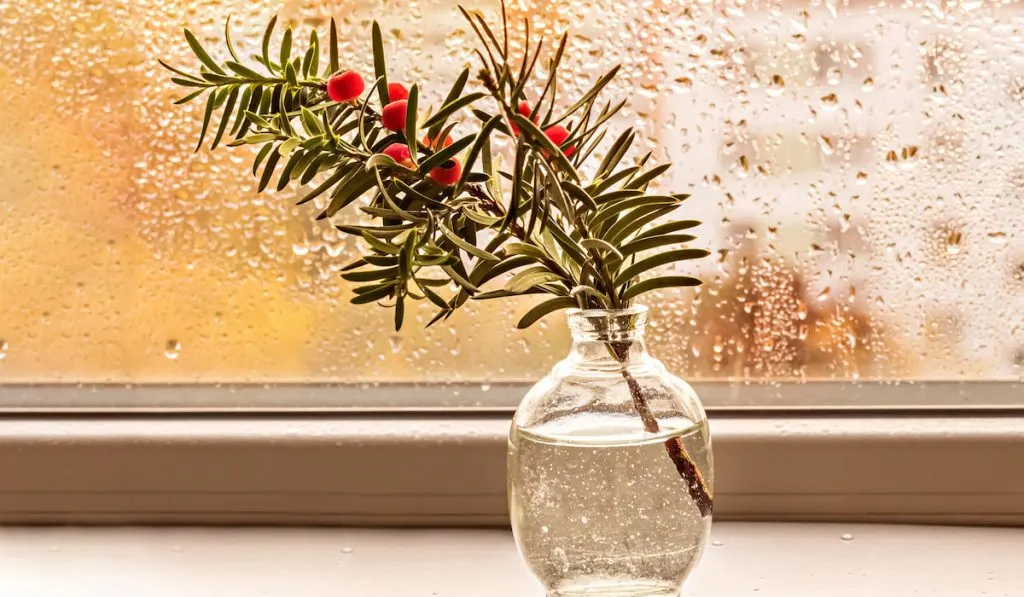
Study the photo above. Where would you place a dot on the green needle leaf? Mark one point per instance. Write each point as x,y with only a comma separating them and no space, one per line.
210,103
466,246
590,94
641,182
596,244
380,69
530,277
658,260
266,43
438,119
391,200
579,194
334,64
286,47
268,170
652,242
442,156
668,227
410,119
551,150
177,71
229,107
190,97
374,294
200,52
547,307
227,38
371,275
658,283
482,139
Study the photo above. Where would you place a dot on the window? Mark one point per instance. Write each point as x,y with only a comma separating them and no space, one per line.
856,168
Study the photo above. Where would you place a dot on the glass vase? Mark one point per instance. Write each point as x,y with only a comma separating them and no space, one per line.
610,468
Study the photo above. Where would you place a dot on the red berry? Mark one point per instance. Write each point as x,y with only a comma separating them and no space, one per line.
434,144
393,115
558,134
525,110
400,153
346,86
397,91
447,173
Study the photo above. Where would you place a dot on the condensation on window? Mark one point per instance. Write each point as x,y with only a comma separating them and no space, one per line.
856,164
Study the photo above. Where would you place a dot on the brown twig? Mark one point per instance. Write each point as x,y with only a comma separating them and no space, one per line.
674,446
494,208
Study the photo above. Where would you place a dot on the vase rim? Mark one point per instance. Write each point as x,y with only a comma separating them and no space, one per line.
631,310
607,324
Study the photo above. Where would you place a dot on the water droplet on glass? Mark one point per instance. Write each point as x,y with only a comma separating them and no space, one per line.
776,86
998,238
823,295
830,101
172,349
717,543
396,342
846,537
905,158
3,349
801,309
862,178
54,548
826,145
834,75
545,529
346,549
584,519
177,548
743,166
868,84
685,83
953,242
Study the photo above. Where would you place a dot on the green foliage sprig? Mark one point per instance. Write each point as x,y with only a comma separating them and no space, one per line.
449,219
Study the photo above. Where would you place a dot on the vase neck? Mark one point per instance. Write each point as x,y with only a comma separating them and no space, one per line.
608,335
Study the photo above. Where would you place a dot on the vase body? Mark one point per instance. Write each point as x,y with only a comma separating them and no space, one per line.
610,467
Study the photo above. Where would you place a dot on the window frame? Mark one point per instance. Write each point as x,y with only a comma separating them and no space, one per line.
438,467
882,396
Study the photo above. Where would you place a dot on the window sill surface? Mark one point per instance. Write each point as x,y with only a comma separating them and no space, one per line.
757,559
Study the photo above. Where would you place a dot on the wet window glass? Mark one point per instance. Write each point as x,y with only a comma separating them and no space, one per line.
857,167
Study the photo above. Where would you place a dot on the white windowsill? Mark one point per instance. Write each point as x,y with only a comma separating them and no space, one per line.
759,560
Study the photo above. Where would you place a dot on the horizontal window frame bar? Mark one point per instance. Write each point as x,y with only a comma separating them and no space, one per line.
433,470
718,396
